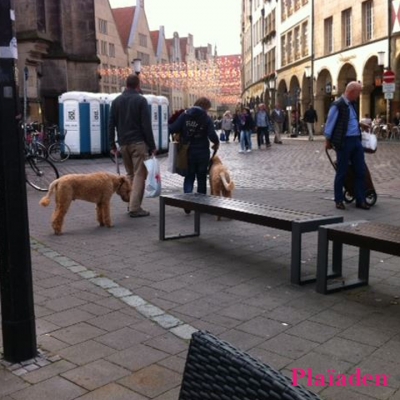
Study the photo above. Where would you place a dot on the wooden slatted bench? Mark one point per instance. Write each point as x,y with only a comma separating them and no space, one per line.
296,222
366,236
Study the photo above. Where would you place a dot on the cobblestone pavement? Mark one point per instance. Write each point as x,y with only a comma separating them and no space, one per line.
115,307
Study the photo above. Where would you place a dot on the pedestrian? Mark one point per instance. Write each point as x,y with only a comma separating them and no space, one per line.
236,125
278,119
263,123
342,132
130,116
246,123
227,125
310,118
197,130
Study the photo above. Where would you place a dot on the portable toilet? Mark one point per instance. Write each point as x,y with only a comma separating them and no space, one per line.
103,121
153,108
163,112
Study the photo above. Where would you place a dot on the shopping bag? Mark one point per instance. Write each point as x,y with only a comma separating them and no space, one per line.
152,186
369,142
182,159
222,137
172,157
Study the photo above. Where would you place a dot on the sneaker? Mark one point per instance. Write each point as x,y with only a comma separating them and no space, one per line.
248,151
187,211
241,151
139,213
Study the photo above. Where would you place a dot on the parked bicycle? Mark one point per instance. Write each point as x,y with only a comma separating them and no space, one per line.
39,171
33,140
58,150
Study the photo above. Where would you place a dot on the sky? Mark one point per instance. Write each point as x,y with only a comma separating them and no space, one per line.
215,22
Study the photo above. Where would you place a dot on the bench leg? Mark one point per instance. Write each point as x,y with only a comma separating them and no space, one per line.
162,235
363,265
322,261
295,267
162,219
337,258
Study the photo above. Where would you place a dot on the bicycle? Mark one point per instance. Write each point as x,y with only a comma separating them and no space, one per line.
58,151
33,142
39,171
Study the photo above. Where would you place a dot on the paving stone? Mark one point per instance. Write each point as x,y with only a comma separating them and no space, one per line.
96,374
148,310
170,395
184,331
334,318
63,303
289,346
113,321
262,326
241,312
134,301
167,321
68,317
175,363
167,343
78,333
10,383
242,340
137,357
46,390
86,352
346,350
335,393
313,331
43,326
113,391
48,371
123,338
104,283
152,381
367,335
119,292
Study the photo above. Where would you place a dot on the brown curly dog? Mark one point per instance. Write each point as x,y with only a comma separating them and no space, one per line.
221,183
96,188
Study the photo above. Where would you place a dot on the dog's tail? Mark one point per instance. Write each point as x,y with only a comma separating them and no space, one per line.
45,201
226,180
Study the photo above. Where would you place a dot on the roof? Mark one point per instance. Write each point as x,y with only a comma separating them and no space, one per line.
155,35
123,18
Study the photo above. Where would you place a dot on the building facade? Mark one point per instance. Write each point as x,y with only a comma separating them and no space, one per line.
313,48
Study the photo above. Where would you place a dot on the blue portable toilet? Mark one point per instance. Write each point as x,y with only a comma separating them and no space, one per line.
154,112
163,112
80,117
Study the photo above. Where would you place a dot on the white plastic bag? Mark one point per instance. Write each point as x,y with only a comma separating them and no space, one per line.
152,186
369,142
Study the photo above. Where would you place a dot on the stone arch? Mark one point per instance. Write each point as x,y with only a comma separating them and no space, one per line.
281,92
346,74
324,94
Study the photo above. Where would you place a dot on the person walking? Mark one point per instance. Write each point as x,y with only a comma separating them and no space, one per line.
263,123
342,133
197,130
246,124
130,116
278,119
236,125
310,118
227,125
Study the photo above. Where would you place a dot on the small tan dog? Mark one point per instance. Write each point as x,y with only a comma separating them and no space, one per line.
221,183
96,188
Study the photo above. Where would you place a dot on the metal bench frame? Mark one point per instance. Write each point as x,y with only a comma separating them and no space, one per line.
296,222
366,236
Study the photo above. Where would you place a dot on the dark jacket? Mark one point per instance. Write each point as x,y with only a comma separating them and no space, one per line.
310,116
342,123
196,128
130,114
246,122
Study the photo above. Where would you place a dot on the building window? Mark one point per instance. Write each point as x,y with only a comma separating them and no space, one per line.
102,26
304,38
346,26
297,44
113,74
106,79
111,50
142,40
144,57
283,50
104,48
289,47
368,20
328,29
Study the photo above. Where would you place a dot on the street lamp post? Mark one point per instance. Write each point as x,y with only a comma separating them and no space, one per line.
307,73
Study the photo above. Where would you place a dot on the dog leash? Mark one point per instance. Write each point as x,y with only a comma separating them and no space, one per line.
211,160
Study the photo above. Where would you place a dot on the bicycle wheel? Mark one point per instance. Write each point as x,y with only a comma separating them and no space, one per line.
59,152
40,172
39,149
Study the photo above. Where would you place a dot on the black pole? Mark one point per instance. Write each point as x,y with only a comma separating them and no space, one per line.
18,319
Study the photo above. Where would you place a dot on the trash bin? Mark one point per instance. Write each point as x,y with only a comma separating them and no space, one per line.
163,112
154,111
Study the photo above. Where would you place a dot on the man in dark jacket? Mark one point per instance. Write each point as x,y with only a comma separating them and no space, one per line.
342,132
310,118
196,129
130,115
